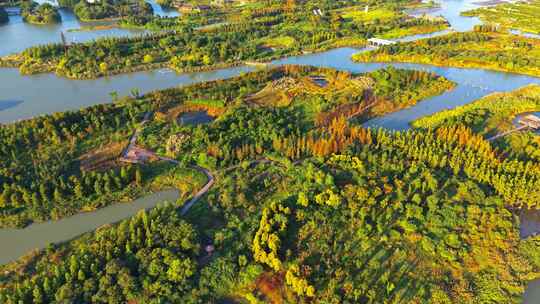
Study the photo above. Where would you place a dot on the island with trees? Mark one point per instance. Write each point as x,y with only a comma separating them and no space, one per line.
249,33
35,13
307,203
110,9
74,156
484,48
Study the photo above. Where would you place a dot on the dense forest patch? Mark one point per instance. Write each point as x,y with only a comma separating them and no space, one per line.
385,220
300,212
495,114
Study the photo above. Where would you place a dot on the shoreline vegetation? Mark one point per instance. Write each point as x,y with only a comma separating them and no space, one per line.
420,216
40,14
484,48
259,35
107,10
522,15
496,114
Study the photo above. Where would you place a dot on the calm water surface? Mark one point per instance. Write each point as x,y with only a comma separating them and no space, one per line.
48,93
17,242
195,118
17,35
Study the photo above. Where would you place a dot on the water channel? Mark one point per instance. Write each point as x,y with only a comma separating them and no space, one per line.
17,35
23,97
18,242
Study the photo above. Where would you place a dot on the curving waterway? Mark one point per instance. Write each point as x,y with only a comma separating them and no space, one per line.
18,242
17,35
23,97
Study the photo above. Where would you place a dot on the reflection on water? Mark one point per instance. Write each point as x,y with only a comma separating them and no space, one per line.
17,35
529,223
6,104
525,34
532,293
451,11
530,226
163,12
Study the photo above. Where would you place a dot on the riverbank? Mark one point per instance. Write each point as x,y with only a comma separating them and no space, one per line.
465,50
136,56
38,236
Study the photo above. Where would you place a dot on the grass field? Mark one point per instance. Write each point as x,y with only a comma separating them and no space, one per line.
360,15
280,42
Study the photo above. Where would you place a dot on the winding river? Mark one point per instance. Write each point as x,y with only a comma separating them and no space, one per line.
23,97
17,242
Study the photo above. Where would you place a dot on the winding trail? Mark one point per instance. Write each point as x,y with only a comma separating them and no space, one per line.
201,192
133,145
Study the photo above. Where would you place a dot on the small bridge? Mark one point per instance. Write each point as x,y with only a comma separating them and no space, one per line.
380,42
529,121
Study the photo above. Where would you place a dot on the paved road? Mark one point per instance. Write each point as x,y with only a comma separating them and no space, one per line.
201,192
